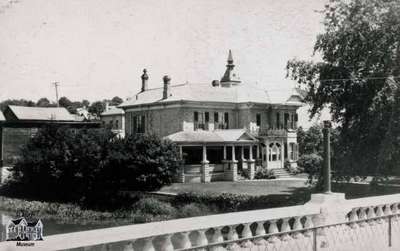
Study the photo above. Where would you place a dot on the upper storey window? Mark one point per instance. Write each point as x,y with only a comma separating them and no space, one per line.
278,120
226,120
221,120
286,120
201,120
258,119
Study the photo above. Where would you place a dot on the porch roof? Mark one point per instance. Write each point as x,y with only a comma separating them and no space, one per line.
216,136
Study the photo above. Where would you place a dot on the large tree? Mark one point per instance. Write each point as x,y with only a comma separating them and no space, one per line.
116,101
97,107
358,78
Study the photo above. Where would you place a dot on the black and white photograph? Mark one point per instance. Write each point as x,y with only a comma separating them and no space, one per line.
204,125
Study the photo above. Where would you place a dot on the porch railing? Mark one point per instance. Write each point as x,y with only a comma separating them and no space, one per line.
327,222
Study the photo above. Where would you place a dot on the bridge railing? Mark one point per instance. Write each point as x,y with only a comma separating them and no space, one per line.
327,222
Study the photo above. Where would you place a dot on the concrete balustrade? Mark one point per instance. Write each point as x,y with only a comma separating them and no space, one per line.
317,225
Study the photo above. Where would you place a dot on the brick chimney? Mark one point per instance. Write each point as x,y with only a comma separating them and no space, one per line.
145,78
167,82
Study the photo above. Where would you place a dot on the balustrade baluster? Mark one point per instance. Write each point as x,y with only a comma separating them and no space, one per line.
362,216
353,217
379,213
387,210
297,226
308,224
166,244
201,239
185,241
148,244
232,235
272,229
395,210
260,230
371,215
285,227
129,246
217,238
246,233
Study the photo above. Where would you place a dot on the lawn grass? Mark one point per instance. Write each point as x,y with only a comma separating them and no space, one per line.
253,187
280,188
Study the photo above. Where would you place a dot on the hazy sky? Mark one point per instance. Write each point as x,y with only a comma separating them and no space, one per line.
97,48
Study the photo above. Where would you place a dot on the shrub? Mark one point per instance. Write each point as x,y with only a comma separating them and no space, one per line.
263,173
195,209
244,173
152,206
227,202
91,166
311,164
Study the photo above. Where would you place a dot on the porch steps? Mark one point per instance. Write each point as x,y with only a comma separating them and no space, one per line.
281,173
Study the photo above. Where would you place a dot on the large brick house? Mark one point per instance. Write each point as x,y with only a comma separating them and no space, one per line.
220,127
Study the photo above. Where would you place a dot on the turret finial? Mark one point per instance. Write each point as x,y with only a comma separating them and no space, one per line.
230,58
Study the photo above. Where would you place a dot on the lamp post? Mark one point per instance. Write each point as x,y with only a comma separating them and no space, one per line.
327,156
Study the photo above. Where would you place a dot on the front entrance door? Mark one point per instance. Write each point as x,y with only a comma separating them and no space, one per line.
274,155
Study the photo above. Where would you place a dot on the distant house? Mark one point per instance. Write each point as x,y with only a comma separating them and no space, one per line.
114,118
84,114
21,123
21,230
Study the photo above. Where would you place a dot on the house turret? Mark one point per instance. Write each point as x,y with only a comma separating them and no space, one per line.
230,77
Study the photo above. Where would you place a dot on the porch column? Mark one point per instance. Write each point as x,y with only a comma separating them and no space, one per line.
283,154
224,152
225,163
258,151
242,159
231,172
266,154
251,163
181,175
205,167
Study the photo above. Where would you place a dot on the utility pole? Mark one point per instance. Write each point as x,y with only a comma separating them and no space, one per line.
56,84
327,156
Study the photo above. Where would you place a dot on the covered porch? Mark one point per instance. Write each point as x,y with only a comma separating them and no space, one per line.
216,155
